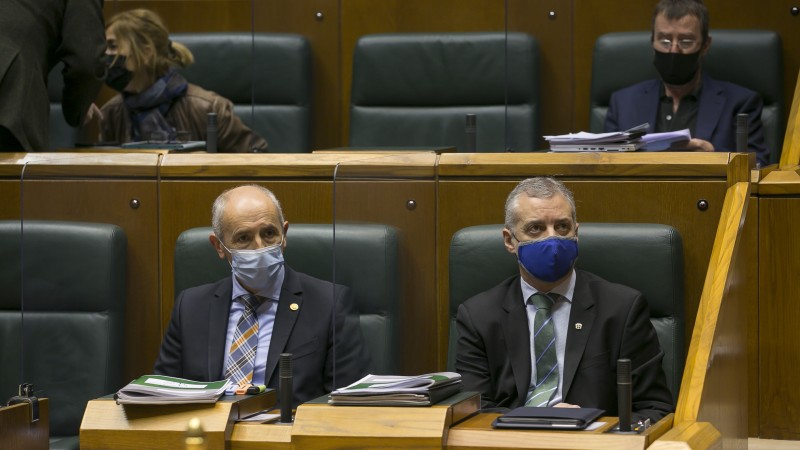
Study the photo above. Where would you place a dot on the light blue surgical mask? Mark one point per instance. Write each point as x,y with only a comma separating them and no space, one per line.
260,270
548,259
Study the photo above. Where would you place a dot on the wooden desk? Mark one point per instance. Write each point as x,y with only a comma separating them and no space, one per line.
17,430
477,433
109,425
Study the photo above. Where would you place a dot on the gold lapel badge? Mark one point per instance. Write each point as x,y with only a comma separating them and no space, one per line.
578,326
294,306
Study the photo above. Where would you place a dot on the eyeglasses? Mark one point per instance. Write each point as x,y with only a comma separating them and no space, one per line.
683,44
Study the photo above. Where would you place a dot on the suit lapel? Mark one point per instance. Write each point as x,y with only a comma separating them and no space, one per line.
648,106
285,318
709,110
581,312
518,341
219,311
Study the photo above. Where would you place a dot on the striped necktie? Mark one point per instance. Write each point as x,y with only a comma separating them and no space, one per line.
544,346
242,355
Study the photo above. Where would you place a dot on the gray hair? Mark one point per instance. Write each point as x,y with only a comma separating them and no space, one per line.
538,187
218,208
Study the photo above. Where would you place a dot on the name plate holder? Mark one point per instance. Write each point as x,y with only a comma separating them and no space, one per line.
109,425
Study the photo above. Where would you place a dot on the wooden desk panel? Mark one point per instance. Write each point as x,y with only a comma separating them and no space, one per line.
17,430
477,433
778,314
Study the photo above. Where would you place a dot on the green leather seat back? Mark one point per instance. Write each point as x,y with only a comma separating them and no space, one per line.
749,58
646,257
72,330
366,262
414,89
278,106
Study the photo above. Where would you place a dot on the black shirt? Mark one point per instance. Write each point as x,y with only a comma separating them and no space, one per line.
684,117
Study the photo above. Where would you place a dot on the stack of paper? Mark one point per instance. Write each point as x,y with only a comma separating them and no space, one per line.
162,390
395,390
617,141
654,142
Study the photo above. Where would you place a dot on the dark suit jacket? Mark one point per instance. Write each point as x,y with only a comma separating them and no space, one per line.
718,106
34,36
194,344
493,355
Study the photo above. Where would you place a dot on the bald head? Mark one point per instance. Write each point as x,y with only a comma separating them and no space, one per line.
247,218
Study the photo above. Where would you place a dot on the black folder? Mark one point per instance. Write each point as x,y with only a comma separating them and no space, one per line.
548,418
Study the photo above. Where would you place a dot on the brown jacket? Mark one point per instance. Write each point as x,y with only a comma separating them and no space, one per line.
189,117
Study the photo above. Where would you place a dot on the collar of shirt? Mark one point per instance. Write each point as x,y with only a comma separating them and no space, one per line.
566,289
695,92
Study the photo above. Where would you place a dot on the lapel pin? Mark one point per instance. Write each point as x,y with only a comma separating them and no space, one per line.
578,326
294,306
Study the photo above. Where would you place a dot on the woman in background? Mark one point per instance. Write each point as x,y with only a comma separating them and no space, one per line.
155,101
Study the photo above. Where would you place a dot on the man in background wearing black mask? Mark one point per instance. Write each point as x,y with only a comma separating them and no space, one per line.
685,97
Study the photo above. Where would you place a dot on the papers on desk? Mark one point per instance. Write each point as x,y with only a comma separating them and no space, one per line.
630,140
656,142
164,390
617,141
395,390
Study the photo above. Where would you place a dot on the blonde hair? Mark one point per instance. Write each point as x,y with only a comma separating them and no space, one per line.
149,48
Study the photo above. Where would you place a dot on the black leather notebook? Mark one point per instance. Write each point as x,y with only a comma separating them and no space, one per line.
548,418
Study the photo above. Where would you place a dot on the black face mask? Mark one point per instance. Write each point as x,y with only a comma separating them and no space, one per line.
118,76
677,68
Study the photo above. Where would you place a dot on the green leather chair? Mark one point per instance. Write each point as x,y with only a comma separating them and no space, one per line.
366,262
69,337
646,257
414,90
749,58
278,106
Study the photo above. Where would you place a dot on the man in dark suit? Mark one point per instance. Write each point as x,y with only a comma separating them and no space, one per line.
684,96
34,36
290,312
593,322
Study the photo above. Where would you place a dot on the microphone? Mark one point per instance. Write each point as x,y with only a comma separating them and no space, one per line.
472,133
211,133
285,386
741,133
624,401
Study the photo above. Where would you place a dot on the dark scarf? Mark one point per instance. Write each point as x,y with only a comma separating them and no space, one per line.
147,108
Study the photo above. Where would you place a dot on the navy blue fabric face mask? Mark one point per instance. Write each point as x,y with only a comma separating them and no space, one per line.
118,76
548,259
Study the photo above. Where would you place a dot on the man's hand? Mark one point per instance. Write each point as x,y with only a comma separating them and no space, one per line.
698,145
565,405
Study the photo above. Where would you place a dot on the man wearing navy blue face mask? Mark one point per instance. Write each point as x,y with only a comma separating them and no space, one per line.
685,96
237,327
551,335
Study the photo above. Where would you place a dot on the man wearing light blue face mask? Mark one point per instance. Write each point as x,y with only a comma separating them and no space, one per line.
237,327
551,335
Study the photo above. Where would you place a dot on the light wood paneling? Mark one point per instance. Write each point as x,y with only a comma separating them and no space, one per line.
779,314
714,385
